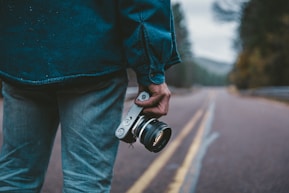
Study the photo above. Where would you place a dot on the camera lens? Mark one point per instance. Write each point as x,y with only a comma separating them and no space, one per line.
153,134
158,138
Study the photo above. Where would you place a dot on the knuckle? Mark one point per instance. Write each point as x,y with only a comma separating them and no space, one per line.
163,112
167,94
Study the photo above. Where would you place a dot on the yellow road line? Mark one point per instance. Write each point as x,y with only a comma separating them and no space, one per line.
180,176
140,185
182,171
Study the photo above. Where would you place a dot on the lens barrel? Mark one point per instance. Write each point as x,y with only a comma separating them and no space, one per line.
153,134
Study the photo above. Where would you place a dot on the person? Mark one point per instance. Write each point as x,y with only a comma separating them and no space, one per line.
64,62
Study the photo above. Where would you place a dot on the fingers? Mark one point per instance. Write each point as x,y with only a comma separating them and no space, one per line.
157,111
158,103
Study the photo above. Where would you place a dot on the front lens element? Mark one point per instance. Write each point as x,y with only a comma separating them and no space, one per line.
154,135
158,138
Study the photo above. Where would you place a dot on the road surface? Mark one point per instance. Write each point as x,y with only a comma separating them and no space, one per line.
221,143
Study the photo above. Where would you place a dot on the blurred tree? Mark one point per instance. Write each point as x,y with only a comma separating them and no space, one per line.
181,75
263,40
264,34
227,10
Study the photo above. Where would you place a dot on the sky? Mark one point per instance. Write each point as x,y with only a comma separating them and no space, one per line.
209,38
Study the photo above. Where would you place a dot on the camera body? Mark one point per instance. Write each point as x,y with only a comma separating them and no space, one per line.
153,134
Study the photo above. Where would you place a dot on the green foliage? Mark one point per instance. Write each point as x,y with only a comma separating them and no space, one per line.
264,36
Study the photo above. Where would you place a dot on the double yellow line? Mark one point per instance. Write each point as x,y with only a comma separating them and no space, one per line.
142,183
195,148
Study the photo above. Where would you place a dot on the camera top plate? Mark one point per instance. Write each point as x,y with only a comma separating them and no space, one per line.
131,117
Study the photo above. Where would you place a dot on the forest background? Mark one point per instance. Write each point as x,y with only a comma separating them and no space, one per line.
261,43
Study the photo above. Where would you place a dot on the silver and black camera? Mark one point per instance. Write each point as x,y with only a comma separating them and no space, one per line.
152,133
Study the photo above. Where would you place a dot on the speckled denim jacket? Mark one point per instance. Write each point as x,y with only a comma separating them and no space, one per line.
50,41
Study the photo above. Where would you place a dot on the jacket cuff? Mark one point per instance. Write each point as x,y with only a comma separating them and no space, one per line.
152,78
147,75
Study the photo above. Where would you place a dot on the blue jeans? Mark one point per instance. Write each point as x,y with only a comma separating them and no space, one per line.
88,115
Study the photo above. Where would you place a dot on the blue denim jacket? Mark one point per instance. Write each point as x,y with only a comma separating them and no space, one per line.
43,42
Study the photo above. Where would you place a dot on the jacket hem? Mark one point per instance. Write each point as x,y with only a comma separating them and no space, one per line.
54,80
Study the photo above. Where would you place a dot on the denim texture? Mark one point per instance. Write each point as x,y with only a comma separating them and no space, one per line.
88,114
44,42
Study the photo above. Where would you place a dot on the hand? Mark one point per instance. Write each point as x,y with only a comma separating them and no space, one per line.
158,103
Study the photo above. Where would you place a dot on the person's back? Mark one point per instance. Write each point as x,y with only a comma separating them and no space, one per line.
49,41
42,42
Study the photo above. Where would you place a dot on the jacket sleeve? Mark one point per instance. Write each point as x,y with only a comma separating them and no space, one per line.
148,38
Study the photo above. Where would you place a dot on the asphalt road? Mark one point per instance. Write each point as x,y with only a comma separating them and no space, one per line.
221,143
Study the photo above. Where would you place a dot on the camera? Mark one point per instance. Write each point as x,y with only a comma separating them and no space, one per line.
152,133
